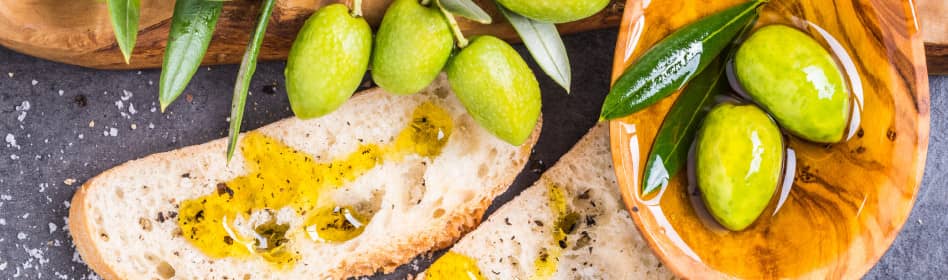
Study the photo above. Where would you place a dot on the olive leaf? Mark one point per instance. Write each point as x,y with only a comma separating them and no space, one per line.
467,9
669,64
192,27
124,16
674,138
545,45
247,66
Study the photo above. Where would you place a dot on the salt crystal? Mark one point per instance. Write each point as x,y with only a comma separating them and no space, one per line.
119,104
14,157
3,222
21,235
24,106
134,126
11,141
131,109
81,136
61,92
34,82
52,228
10,74
151,125
91,123
113,131
126,95
69,181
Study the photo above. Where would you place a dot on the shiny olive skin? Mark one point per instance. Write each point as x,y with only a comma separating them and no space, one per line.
795,79
739,157
327,61
412,45
555,11
497,88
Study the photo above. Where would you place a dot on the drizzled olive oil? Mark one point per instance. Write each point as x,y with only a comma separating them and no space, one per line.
282,177
452,266
546,262
335,224
458,266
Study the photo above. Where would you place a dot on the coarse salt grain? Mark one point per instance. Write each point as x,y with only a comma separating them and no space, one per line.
11,141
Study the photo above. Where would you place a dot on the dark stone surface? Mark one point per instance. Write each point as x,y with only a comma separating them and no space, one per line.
56,141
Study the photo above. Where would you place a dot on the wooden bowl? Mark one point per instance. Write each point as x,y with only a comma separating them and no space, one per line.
848,200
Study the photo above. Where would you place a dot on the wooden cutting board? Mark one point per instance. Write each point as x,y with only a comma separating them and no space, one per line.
78,31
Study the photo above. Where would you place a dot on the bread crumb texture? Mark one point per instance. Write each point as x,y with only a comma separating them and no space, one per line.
571,224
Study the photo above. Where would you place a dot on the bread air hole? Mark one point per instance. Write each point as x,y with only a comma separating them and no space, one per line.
145,224
165,270
417,185
482,170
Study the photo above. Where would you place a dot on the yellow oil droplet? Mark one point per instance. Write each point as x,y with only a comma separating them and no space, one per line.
547,261
454,266
283,177
271,243
335,224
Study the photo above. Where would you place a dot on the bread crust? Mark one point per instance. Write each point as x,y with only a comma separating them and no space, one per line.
383,260
80,230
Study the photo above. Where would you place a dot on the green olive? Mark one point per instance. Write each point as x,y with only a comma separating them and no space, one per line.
412,45
555,11
795,79
739,159
327,61
497,87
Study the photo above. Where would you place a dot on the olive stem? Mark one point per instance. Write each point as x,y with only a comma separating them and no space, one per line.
462,42
357,8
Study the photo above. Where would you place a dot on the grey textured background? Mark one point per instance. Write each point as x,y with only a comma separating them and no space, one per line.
73,123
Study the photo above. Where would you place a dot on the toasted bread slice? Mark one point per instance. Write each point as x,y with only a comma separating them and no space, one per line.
125,221
571,224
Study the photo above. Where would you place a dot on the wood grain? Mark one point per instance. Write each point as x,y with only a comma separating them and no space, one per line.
848,200
934,20
78,31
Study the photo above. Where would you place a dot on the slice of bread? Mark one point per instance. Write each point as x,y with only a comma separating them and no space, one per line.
125,221
578,198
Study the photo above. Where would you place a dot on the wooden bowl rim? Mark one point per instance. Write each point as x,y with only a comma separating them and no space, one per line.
680,269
